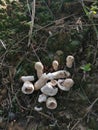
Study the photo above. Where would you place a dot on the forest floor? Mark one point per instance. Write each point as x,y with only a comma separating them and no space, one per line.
55,30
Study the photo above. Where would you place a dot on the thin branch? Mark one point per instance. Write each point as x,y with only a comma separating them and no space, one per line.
32,22
32,26
88,110
28,7
3,44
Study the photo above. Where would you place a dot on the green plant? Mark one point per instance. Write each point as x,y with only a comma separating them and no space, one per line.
86,68
91,13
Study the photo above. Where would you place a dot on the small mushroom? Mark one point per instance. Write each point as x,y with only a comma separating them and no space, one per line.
66,84
27,78
53,82
58,74
49,90
42,98
36,108
55,64
41,82
51,103
69,61
27,87
39,68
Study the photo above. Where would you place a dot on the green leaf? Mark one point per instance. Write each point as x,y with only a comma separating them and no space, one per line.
86,67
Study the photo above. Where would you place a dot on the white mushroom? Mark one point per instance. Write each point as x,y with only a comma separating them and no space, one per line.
51,103
69,61
41,82
27,78
36,108
58,74
55,64
66,84
42,98
39,68
27,87
49,90
53,82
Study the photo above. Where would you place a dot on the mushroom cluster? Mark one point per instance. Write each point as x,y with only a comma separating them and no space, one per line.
49,83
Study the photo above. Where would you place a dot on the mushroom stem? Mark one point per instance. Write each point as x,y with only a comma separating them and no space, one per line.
51,103
39,73
41,82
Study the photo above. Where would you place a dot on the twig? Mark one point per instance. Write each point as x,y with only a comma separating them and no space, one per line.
91,106
32,26
45,115
3,58
49,9
53,22
87,112
28,7
3,44
22,107
76,124
35,53
32,22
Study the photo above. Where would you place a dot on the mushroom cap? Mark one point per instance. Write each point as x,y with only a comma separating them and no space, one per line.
69,61
41,81
49,90
58,74
39,66
51,103
66,84
60,81
27,78
55,64
27,87
42,98
69,58
59,52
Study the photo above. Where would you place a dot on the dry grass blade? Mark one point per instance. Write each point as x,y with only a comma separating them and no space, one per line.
3,44
32,22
